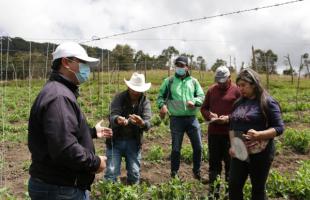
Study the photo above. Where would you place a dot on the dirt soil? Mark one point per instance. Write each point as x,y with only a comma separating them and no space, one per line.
17,159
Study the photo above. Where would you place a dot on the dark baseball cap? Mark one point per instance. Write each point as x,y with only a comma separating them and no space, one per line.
181,59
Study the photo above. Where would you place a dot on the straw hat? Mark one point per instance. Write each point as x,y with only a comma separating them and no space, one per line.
137,83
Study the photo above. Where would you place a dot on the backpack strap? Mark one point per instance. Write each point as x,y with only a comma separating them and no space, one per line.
167,94
195,88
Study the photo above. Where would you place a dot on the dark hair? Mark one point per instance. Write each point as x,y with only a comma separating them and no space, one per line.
250,76
56,64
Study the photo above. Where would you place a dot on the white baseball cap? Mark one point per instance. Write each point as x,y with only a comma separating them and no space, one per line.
221,74
73,49
137,83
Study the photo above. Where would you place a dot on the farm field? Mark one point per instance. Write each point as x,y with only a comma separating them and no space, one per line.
289,178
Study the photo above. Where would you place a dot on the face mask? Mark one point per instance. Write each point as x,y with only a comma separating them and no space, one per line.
180,71
83,73
224,86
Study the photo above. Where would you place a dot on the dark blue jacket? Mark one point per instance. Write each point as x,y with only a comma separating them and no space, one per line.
59,139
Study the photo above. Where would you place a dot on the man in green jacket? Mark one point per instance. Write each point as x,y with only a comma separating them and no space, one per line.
181,96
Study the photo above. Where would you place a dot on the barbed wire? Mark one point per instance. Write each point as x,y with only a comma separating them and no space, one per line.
95,38
304,42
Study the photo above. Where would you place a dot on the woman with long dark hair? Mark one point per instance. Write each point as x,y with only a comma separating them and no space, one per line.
257,116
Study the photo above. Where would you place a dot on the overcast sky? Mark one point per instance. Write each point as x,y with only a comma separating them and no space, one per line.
285,29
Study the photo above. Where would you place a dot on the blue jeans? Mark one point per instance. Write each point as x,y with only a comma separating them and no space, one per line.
178,126
131,151
39,190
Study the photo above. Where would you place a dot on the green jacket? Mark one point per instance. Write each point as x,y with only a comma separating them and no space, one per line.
181,91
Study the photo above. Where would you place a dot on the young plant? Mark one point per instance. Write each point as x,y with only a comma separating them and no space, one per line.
155,154
298,140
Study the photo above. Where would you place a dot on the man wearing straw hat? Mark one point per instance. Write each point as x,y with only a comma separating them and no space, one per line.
64,163
129,118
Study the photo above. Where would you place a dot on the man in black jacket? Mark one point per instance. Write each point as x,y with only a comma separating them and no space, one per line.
130,116
60,141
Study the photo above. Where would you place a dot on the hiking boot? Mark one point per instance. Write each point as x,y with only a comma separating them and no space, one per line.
197,176
174,174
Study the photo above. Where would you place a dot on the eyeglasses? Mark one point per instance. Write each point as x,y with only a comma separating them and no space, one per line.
78,60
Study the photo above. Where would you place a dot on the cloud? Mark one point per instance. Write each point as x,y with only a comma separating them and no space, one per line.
283,29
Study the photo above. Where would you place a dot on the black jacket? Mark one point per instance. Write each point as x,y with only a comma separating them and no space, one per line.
121,106
59,139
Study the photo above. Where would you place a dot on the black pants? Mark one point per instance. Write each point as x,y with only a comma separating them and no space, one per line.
257,168
218,147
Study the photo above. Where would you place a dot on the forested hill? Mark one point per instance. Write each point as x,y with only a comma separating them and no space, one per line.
21,59
18,45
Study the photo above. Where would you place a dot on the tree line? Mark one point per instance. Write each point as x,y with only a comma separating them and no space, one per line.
21,59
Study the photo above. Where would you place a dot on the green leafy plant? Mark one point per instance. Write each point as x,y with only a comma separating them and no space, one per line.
155,121
221,192
279,146
26,165
296,186
300,185
299,140
155,154
187,153
289,117
174,189
6,194
277,185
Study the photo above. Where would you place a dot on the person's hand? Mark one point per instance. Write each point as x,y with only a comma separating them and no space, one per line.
232,152
103,131
163,111
251,135
213,115
103,164
122,121
190,104
251,138
136,120
223,119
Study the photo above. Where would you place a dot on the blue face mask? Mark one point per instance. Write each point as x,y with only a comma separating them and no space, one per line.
83,73
180,71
